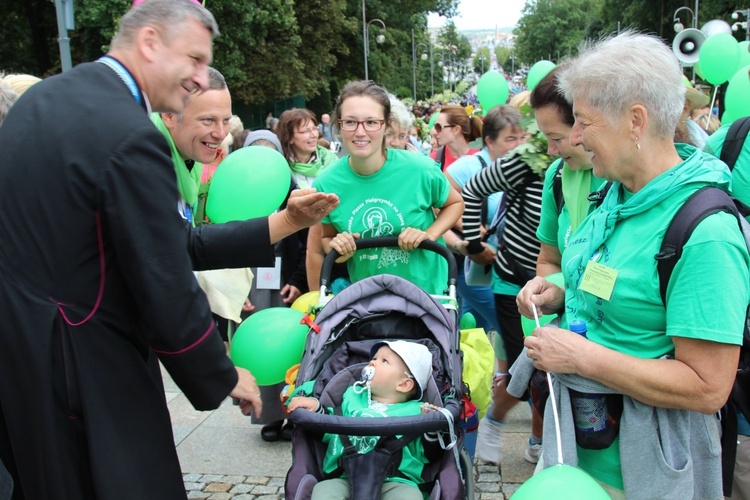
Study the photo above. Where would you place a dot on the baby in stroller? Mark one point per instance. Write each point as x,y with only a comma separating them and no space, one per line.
392,384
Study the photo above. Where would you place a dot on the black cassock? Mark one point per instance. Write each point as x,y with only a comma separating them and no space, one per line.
95,278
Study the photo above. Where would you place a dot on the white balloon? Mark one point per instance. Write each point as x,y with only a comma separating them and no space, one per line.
716,26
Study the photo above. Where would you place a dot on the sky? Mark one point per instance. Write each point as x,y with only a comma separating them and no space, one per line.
483,14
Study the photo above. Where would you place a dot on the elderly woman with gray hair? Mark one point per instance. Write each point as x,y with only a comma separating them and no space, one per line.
397,131
644,382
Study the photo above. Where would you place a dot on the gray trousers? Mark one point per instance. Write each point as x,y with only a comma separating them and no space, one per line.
338,489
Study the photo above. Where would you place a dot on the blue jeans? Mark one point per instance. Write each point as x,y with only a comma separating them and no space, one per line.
479,301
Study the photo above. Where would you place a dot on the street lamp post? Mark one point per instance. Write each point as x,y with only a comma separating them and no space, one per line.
743,24
365,35
678,26
414,61
441,63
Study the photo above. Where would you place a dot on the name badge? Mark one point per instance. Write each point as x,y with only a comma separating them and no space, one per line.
599,280
269,278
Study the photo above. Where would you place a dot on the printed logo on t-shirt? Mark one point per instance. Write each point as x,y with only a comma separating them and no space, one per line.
378,217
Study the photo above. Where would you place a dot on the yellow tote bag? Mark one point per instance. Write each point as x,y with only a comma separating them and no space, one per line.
479,366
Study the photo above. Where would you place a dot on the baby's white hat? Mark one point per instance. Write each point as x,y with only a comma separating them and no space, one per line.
416,357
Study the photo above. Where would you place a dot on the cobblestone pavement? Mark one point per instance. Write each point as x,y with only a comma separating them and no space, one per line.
488,486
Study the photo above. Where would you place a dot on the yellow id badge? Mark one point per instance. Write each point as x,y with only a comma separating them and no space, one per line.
598,280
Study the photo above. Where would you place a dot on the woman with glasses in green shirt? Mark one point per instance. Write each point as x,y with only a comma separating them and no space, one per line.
385,192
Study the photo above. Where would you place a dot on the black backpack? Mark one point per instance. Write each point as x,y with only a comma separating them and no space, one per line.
700,205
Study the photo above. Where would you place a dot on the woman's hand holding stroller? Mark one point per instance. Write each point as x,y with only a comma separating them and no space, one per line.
345,245
410,238
247,392
306,403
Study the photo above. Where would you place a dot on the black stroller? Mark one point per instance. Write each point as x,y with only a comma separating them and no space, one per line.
380,308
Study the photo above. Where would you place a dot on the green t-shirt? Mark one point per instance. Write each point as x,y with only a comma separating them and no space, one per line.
740,176
356,405
634,321
554,228
401,194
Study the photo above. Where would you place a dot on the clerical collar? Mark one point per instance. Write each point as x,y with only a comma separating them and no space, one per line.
125,76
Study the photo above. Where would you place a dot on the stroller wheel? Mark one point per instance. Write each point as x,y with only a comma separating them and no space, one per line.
467,469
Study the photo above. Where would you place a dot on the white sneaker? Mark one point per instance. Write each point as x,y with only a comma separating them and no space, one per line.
533,452
488,441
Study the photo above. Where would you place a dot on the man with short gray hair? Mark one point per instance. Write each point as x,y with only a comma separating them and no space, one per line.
97,269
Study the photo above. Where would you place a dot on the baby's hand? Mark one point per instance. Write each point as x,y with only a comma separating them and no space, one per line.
304,403
429,408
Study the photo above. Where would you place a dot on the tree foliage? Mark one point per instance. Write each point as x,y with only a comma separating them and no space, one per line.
502,55
550,29
551,26
268,49
482,60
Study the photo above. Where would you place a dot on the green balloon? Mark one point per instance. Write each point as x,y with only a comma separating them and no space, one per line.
528,324
268,343
467,322
538,71
492,90
744,56
737,98
561,482
698,69
433,119
250,182
718,57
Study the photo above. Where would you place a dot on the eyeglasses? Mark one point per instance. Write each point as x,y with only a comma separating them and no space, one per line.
368,125
310,131
439,128
402,137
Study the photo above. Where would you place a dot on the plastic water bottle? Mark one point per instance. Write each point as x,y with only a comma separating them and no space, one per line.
578,327
590,412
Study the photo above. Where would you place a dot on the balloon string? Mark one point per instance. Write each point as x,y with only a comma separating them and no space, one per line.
713,100
552,398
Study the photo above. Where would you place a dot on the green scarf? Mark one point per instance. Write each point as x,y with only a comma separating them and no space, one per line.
324,157
576,185
187,180
696,170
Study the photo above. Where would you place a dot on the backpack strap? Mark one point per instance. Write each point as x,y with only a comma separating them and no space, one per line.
734,141
485,200
597,197
440,157
704,202
557,187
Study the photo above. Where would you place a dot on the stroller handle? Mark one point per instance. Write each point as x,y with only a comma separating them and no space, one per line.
390,426
389,241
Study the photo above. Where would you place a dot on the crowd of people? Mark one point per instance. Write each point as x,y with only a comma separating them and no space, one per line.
108,290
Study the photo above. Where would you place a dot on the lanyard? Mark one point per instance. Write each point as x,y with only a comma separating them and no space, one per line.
124,75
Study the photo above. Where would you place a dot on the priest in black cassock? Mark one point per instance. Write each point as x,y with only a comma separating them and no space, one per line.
96,267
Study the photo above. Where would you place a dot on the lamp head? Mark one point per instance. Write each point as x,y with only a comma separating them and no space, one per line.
424,56
380,38
678,27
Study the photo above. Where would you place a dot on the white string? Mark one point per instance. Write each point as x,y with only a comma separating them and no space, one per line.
552,399
713,100
453,440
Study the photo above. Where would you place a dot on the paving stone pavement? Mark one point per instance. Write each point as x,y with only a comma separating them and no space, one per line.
223,456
